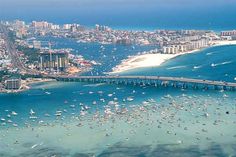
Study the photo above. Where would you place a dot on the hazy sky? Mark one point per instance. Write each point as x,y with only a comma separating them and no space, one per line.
6,4
117,11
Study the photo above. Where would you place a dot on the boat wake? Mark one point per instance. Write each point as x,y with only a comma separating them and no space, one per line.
213,52
223,63
210,53
94,85
176,67
197,67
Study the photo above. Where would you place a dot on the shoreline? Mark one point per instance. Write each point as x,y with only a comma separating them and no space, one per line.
155,60
26,85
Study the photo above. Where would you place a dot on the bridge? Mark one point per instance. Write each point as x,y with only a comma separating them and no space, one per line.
157,81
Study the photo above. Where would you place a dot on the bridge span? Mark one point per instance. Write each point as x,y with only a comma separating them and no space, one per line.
177,82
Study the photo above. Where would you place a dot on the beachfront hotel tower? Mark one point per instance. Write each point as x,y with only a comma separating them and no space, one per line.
53,61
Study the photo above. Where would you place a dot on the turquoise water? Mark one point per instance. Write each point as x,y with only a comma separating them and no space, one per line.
121,120
198,65
158,121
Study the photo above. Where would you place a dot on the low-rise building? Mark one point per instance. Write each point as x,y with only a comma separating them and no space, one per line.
36,44
228,33
13,84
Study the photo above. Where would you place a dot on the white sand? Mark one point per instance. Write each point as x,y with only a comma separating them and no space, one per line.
224,42
154,60
145,60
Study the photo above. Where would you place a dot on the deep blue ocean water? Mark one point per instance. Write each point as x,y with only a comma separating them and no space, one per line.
176,22
132,15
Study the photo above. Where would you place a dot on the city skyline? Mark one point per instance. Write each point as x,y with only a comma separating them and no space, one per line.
119,13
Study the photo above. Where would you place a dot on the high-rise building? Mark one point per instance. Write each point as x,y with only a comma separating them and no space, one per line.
53,61
102,28
45,25
67,26
186,46
19,24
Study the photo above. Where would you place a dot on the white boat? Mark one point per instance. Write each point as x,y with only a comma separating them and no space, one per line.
15,125
48,93
102,100
168,96
94,103
33,117
82,113
196,67
14,113
151,100
47,115
72,106
100,92
225,96
130,99
31,112
9,121
58,113
86,107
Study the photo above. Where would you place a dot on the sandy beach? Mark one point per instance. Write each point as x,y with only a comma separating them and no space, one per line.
154,60
224,42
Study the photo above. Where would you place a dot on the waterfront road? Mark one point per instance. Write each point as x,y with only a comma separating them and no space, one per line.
12,52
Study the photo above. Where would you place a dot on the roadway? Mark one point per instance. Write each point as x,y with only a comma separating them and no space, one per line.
12,52
150,78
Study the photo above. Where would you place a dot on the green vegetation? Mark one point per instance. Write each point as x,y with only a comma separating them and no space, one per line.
31,53
12,36
6,74
16,75
2,74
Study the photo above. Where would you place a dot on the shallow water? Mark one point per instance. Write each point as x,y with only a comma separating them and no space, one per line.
163,121
125,120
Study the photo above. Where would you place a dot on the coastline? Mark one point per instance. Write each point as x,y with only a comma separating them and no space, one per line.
155,60
26,85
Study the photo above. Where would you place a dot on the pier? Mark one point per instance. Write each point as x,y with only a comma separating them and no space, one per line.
157,81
